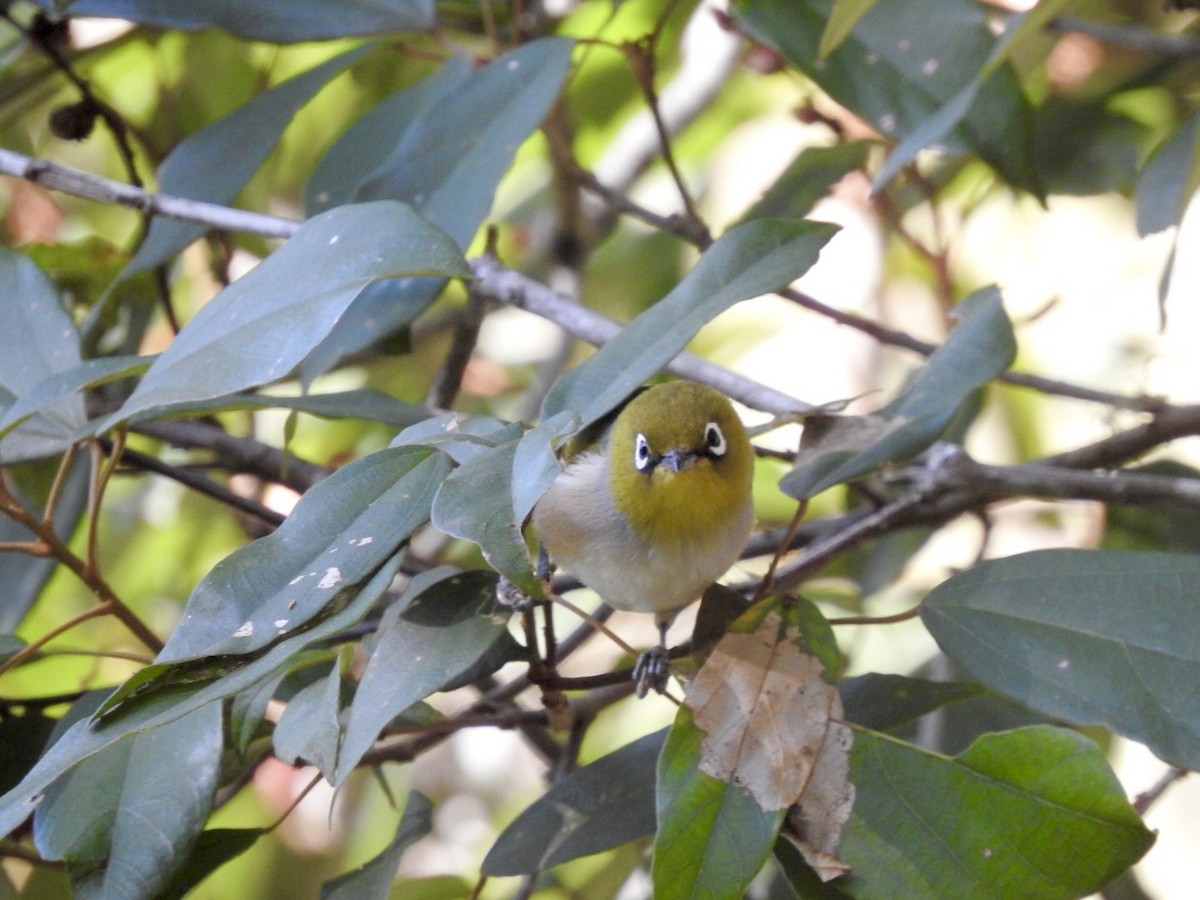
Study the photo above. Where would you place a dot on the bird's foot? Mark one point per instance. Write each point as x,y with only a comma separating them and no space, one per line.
511,596
652,670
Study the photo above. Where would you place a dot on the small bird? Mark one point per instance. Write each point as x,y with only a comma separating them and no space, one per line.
655,508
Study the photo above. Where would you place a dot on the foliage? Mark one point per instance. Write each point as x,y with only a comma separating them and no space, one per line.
271,433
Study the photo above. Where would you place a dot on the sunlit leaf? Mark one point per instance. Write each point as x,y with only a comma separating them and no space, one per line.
1057,823
1093,637
842,19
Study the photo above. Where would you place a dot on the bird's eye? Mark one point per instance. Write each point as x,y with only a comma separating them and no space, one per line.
714,440
642,458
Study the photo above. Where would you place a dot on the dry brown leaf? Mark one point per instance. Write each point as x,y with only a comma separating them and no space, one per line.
815,823
765,711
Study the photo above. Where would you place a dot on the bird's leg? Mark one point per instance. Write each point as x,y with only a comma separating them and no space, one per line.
653,667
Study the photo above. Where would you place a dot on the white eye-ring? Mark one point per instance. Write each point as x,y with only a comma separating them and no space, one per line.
714,440
642,458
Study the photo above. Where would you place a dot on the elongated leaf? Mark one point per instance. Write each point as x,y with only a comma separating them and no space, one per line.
65,385
22,577
1094,637
807,179
259,328
476,503
1169,179
336,538
459,137
84,739
978,349
213,849
842,19
1034,813
896,71
278,21
712,837
309,730
373,879
954,110
884,702
442,632
37,342
604,804
138,806
214,163
751,259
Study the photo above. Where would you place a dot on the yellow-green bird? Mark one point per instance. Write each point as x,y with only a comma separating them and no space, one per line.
656,508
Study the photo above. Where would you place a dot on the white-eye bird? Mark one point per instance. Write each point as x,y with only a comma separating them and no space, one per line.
656,508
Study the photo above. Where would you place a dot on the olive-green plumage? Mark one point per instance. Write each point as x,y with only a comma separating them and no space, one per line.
660,507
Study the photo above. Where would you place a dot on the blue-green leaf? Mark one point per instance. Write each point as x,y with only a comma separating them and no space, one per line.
215,162
259,328
1093,637
277,21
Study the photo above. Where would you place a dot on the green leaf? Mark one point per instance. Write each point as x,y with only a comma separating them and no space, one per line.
276,21
712,836
259,328
1034,813
897,72
1169,179
604,804
842,19
807,179
337,537
373,879
476,121
446,626
309,730
883,702
1093,637
475,503
981,347
64,385
37,342
751,259
1017,34
22,577
215,162
137,806
84,739
213,849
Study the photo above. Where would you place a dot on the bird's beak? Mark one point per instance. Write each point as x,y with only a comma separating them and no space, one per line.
678,459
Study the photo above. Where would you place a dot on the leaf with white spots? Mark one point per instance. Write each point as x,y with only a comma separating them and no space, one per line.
1057,823
897,72
260,328
1092,637
289,576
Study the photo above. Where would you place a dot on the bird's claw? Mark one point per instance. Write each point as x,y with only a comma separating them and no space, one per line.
511,596
652,670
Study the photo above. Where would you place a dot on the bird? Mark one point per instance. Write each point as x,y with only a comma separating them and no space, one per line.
653,505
